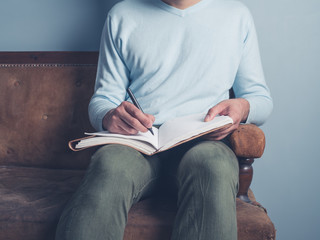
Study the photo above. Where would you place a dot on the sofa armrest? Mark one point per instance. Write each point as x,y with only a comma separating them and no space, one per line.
248,141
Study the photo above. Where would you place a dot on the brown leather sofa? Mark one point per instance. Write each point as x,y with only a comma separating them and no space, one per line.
43,104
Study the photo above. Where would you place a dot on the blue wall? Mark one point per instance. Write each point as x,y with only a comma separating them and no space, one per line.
52,25
287,178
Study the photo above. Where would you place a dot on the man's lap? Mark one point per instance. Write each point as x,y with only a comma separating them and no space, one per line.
159,170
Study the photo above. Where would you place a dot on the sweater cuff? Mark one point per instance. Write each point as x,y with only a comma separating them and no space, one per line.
260,109
97,113
251,114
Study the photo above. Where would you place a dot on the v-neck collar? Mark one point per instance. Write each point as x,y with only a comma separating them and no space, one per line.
182,12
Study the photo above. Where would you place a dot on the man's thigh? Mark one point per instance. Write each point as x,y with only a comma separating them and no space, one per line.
123,168
191,156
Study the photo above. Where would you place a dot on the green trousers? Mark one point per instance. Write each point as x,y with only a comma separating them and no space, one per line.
204,175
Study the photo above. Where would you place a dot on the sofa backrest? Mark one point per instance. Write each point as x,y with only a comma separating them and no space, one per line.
43,104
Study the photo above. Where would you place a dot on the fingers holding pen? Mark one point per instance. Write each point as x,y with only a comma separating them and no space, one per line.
127,119
146,120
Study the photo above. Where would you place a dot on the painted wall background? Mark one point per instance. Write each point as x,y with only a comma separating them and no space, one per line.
287,178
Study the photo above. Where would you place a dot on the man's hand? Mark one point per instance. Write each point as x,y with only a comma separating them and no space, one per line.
237,109
127,119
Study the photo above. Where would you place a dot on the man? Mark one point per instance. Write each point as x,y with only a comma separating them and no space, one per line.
179,57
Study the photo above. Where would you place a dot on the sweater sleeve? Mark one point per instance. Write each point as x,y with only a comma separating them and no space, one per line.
112,77
250,82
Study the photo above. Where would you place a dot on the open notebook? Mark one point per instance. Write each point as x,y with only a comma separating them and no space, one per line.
170,134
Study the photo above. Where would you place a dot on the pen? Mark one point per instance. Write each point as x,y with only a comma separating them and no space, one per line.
135,102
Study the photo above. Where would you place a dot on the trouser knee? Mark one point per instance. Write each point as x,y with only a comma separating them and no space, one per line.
123,171
114,166
209,164
113,161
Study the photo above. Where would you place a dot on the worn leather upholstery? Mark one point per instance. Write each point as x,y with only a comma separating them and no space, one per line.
42,108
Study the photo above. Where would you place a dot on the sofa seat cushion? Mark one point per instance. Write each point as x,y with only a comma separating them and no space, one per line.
32,199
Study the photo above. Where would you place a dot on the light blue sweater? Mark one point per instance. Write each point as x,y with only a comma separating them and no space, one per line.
179,62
